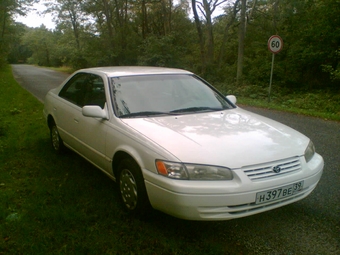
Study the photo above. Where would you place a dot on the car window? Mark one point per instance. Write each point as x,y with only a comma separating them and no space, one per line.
84,89
167,94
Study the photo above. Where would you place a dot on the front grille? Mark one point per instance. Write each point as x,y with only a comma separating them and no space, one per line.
260,172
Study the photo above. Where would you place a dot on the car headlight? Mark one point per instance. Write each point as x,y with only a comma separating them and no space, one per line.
192,171
310,151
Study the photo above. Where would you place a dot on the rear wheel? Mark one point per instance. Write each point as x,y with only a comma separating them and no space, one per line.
132,188
57,142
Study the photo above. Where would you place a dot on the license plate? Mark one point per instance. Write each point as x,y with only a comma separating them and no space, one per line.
279,193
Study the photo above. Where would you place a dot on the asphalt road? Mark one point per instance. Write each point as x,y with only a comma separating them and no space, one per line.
310,226
37,80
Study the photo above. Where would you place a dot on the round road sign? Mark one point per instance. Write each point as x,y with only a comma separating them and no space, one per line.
275,44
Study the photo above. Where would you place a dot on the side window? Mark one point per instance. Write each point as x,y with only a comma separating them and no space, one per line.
85,89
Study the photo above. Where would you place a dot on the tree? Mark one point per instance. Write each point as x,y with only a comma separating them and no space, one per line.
157,32
207,47
41,42
18,53
314,42
70,17
7,9
241,37
166,45
231,13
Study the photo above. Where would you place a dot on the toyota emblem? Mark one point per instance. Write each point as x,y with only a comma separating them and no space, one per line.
276,169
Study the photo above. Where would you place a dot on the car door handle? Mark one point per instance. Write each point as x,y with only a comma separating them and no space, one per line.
76,120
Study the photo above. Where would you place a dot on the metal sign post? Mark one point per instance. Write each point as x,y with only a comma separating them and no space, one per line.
275,45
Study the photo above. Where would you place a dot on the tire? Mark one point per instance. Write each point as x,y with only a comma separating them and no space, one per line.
57,142
132,189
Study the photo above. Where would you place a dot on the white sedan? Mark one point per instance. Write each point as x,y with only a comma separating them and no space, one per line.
172,142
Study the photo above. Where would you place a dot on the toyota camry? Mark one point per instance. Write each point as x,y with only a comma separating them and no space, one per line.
173,143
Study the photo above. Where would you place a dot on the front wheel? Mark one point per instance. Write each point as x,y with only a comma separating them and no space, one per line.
132,188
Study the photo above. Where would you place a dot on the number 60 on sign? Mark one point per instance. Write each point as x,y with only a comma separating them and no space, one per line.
275,44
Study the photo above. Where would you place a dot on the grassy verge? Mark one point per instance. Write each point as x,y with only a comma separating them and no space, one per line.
62,205
64,69
316,103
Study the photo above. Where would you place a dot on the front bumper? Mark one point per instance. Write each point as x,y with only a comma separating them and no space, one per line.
225,200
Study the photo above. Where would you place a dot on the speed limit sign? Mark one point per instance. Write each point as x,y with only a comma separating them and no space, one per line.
275,44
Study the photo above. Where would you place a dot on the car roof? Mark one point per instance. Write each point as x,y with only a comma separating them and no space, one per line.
114,71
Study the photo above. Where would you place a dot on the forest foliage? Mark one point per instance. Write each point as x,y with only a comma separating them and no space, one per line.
225,41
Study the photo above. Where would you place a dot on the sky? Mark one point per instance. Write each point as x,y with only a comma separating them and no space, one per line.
33,19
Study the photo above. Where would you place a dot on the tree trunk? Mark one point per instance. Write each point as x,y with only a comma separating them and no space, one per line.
275,13
210,37
3,25
250,15
144,20
200,34
241,42
108,17
73,18
226,30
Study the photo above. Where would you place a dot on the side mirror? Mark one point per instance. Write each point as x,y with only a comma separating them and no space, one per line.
232,99
94,111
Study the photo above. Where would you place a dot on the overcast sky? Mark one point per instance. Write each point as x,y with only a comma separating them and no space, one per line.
33,19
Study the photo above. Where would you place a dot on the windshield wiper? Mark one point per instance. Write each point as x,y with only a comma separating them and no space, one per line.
145,114
174,112
197,109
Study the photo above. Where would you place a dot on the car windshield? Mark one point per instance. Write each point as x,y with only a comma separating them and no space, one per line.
157,95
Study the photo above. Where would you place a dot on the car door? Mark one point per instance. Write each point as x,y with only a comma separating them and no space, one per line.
85,135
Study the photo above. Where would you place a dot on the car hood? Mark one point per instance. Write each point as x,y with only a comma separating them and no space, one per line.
231,138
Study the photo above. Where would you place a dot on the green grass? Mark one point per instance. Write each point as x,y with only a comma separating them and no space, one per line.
64,69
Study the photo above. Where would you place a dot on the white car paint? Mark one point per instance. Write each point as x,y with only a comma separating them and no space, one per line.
222,138
231,138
